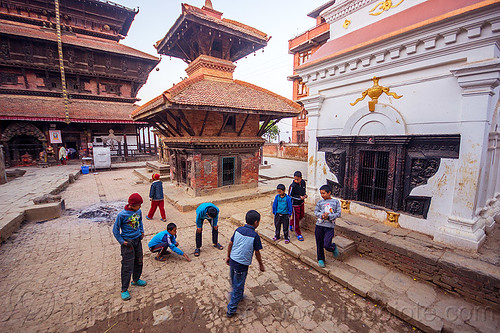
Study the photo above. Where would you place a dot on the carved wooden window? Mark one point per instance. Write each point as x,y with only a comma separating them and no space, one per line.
304,56
301,136
301,89
114,89
230,123
228,170
8,79
374,170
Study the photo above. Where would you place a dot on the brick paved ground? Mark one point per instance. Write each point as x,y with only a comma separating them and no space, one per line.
63,275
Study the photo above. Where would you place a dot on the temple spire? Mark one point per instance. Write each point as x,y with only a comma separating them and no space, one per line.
208,4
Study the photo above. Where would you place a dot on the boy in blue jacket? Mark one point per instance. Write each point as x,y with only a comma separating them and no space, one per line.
282,209
129,221
156,197
207,211
165,240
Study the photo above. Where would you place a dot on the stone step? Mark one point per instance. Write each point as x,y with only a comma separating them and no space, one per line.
345,246
157,167
44,212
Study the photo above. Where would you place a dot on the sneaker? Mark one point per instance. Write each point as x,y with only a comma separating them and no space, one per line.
336,252
321,263
148,218
300,238
163,220
275,238
125,295
140,283
230,314
287,241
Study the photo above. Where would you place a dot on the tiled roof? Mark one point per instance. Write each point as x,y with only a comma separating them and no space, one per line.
32,31
52,109
201,90
234,25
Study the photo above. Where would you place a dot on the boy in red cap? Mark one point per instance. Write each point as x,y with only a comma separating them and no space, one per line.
129,221
156,197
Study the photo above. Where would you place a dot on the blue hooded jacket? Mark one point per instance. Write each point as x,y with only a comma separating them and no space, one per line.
165,237
288,203
156,190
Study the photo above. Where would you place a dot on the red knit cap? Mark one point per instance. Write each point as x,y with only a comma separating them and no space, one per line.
156,176
135,199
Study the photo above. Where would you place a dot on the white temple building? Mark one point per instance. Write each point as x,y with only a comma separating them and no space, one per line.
424,142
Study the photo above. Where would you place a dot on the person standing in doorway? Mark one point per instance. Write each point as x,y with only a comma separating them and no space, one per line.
62,155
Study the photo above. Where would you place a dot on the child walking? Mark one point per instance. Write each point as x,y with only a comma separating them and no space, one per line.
128,231
165,240
282,209
239,256
297,191
327,210
156,197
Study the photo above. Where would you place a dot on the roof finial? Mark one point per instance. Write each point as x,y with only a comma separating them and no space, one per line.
208,4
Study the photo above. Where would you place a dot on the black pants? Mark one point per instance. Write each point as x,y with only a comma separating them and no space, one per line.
324,237
162,248
131,261
279,220
215,236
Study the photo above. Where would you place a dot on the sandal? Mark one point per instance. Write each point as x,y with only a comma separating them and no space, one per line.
300,238
218,246
197,252
287,241
275,238
161,258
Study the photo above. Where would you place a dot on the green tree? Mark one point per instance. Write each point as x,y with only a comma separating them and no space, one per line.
272,133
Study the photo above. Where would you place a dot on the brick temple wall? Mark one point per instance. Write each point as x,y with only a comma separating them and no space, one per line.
292,151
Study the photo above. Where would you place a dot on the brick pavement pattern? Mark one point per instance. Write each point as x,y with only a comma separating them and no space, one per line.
63,275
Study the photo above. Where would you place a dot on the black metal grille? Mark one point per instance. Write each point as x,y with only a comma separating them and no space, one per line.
373,177
227,171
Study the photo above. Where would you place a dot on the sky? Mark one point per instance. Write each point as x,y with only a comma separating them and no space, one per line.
280,19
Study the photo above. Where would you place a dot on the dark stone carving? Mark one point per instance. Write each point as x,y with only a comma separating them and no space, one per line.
417,205
336,164
336,188
124,66
71,57
50,55
421,170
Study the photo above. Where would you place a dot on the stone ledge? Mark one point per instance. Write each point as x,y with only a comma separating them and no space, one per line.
9,224
44,212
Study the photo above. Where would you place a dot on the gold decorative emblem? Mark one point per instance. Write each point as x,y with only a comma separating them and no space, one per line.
374,93
345,205
392,219
383,6
346,23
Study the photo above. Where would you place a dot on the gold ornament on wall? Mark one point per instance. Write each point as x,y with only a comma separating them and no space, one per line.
345,205
383,6
392,219
374,93
346,23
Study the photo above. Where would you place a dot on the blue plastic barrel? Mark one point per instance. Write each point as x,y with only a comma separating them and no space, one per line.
85,169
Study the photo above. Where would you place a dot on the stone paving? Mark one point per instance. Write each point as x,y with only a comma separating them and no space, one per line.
63,275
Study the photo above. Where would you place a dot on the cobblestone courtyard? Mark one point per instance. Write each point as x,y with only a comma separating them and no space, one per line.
63,275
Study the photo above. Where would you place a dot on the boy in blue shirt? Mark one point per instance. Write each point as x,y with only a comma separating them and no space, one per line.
239,256
165,240
207,211
282,209
129,221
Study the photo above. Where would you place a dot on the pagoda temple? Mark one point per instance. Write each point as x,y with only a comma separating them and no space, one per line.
211,125
66,79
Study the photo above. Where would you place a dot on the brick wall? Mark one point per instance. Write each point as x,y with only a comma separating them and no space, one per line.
250,168
291,151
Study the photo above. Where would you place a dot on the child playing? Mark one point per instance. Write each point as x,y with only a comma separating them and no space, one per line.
156,197
282,209
297,191
164,240
129,221
207,211
239,256
327,210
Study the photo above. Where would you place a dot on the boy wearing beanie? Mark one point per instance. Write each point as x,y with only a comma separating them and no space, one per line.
128,231
156,197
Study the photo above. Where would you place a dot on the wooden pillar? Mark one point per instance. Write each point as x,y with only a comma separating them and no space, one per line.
138,138
125,147
156,147
144,139
149,138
